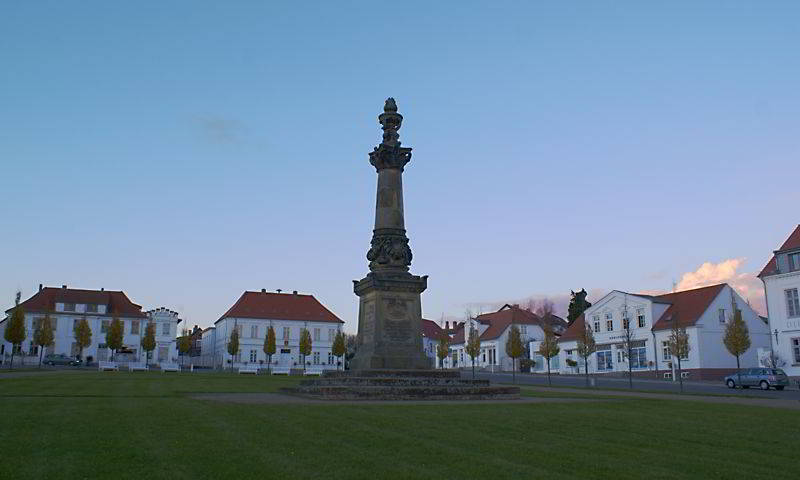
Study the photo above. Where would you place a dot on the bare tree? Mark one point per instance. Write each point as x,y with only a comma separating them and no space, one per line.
628,343
586,347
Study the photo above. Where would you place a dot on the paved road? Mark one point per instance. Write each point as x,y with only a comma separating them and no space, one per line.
791,392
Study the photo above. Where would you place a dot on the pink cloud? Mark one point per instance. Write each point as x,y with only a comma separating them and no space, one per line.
727,271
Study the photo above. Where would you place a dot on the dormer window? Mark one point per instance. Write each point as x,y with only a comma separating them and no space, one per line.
91,308
69,307
794,261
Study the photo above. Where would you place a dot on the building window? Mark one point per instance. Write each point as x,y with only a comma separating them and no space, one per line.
69,307
639,357
134,327
640,317
794,261
104,326
596,327
609,325
253,331
331,334
626,324
330,358
316,334
665,350
91,308
253,356
165,329
316,358
604,360
792,303
609,316
721,315
796,350
286,333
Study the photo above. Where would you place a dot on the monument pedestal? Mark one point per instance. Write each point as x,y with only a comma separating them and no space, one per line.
390,322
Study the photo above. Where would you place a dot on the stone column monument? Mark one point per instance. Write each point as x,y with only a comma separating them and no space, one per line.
390,312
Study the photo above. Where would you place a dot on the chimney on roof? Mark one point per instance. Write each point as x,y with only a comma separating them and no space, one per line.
279,290
40,287
447,324
263,290
294,292
64,287
102,289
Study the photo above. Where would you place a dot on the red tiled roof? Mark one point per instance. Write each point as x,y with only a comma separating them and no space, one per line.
280,306
498,321
431,330
687,306
116,302
574,330
790,244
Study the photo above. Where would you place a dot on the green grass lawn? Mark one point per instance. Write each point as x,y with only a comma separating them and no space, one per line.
121,425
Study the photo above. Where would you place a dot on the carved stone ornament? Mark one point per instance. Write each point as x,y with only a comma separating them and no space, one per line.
389,251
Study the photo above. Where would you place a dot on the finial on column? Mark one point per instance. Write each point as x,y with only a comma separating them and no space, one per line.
389,154
391,122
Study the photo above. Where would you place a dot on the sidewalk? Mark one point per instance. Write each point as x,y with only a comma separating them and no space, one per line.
755,402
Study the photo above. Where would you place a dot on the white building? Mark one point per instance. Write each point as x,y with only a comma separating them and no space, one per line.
493,329
781,278
67,306
704,312
288,314
431,334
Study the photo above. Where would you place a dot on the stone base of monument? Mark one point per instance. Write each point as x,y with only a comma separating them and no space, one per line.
400,385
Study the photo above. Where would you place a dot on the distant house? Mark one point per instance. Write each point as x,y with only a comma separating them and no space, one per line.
67,306
493,329
288,313
431,334
781,278
704,312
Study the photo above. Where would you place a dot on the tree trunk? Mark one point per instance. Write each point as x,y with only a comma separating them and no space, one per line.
514,370
11,365
738,371
41,351
473,368
680,377
548,372
630,371
586,369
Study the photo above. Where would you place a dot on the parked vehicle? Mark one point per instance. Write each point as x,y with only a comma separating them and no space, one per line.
764,378
60,359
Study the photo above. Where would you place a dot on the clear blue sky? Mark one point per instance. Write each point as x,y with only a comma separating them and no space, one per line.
187,151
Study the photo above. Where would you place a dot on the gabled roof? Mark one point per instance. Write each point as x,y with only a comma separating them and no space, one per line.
497,322
431,330
687,306
791,243
574,330
116,302
280,306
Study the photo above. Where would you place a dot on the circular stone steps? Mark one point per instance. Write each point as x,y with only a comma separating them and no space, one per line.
399,385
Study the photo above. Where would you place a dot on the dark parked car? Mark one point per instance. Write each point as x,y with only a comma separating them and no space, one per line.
763,378
60,359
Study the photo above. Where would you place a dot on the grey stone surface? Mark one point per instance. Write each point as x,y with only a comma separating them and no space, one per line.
400,385
390,310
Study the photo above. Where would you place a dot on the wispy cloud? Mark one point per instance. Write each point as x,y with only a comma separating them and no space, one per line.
220,130
560,302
